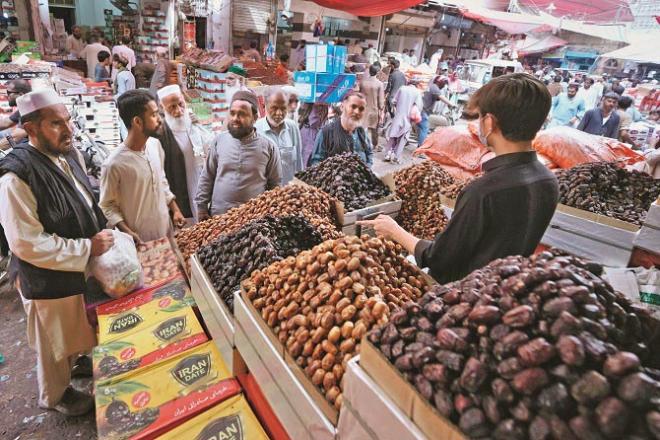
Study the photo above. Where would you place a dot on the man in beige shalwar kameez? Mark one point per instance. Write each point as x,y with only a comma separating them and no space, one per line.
53,226
135,195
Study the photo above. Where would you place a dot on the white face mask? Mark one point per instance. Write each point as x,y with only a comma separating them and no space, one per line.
483,138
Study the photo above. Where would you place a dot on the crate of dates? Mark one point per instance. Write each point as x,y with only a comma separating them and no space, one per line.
159,261
524,348
360,192
140,309
163,340
317,306
161,397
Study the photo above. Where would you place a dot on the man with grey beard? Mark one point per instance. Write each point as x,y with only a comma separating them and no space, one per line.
185,145
241,165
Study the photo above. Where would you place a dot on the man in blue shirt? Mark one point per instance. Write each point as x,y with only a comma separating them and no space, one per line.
345,133
567,108
602,121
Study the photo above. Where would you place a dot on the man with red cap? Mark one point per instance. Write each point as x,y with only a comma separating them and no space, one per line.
53,226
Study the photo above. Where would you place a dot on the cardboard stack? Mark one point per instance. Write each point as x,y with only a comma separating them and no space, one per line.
324,80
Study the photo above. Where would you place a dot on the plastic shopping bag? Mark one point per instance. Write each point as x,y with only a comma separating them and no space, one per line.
118,271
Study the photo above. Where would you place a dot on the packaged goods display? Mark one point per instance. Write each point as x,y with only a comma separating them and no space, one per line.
141,309
313,204
232,258
538,348
347,178
158,260
162,340
162,396
607,189
231,420
420,188
321,302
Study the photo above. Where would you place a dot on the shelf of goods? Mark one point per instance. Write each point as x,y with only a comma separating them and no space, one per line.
367,411
9,71
288,394
219,320
154,34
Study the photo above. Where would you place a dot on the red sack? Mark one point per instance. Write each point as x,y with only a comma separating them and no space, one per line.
568,147
457,150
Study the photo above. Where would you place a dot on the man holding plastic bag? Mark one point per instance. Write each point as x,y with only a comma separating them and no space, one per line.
53,227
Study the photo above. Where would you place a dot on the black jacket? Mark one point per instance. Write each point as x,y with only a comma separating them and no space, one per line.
61,210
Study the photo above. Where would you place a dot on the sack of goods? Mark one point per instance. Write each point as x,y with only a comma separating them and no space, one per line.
118,271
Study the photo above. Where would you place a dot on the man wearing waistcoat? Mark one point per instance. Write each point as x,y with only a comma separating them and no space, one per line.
53,226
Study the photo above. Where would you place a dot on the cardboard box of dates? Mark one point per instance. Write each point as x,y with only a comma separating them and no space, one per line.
160,397
159,261
537,347
162,340
232,420
141,309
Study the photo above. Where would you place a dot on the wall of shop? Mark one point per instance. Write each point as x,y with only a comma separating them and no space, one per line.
90,12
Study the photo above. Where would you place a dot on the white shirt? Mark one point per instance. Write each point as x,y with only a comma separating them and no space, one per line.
414,61
289,144
590,96
90,55
74,46
134,190
372,55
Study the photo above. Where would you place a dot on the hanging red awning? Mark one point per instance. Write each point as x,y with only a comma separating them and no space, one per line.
368,8
587,10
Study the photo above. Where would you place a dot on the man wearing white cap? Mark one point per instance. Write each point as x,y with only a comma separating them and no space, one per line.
53,226
185,145
135,195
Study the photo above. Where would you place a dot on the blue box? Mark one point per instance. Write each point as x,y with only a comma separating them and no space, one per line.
339,58
327,88
325,58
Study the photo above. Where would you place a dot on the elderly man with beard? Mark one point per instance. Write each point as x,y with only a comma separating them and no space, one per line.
135,195
241,165
282,132
53,227
185,145
345,133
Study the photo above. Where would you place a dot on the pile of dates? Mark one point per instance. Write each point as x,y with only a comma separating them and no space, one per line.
321,302
607,189
233,257
420,188
530,348
347,178
312,203
454,190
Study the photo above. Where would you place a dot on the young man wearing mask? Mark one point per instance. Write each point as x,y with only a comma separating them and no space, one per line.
603,120
283,132
507,210
241,165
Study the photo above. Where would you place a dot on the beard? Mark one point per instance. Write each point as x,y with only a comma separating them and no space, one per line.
62,147
273,123
240,132
155,132
182,123
12,102
350,123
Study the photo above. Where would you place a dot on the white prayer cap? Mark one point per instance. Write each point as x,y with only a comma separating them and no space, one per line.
33,101
168,90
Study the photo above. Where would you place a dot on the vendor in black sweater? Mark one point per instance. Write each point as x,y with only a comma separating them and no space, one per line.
507,210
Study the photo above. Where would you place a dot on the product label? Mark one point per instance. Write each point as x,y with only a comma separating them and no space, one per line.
125,323
170,328
223,428
192,368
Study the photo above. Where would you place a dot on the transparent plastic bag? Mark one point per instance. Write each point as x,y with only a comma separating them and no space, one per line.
118,271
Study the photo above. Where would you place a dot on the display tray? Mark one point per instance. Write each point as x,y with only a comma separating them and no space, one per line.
598,238
296,409
405,396
367,412
217,317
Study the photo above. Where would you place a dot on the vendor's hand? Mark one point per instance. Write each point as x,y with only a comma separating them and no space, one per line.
178,219
203,215
383,225
102,242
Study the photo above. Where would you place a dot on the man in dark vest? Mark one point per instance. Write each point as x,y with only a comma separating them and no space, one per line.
345,133
185,144
53,226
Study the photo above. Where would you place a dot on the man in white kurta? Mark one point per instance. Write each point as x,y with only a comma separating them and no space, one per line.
135,194
185,144
57,324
